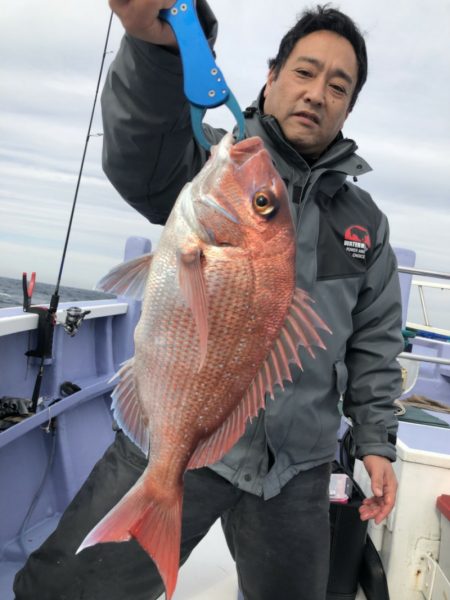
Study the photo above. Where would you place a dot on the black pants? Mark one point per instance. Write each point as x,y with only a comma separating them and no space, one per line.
281,546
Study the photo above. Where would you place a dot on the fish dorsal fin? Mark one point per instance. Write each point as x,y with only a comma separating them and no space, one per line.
299,328
192,284
127,408
128,278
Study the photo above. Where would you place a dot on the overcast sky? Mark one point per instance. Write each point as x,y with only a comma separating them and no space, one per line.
50,57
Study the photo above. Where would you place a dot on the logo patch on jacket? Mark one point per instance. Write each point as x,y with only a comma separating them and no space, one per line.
357,241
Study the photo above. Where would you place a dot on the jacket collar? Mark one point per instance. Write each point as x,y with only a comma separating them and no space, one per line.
340,156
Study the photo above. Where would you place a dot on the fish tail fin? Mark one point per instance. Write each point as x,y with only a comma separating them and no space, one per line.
159,533
154,520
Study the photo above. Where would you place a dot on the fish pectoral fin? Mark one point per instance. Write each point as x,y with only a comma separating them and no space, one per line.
193,288
128,278
127,408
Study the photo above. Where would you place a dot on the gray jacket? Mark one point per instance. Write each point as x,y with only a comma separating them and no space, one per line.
344,261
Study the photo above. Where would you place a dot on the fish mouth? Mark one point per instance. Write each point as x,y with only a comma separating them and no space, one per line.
245,150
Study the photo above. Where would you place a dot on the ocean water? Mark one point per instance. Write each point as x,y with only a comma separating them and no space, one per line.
11,293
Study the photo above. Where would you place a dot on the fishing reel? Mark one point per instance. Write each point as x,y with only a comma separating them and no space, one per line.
74,317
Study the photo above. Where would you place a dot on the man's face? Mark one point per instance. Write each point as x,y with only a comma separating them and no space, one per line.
311,96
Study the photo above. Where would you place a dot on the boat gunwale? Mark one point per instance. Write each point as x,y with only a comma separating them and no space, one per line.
16,320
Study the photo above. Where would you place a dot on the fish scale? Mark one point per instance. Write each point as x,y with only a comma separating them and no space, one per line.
222,294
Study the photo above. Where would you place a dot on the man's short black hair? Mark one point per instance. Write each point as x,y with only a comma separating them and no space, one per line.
330,19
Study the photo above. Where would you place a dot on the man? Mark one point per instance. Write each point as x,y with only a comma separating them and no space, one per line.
271,489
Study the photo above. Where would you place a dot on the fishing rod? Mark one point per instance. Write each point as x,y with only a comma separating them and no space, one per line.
46,316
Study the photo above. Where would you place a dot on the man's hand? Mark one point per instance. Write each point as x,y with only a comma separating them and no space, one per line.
140,19
384,488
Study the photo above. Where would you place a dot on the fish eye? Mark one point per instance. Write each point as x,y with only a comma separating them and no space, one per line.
263,204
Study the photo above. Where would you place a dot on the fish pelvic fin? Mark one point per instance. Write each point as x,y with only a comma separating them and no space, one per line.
192,284
127,408
128,278
300,328
154,520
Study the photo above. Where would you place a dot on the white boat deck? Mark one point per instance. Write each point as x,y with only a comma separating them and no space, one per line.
209,572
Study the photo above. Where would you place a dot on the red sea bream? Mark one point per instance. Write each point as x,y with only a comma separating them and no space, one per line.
221,321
